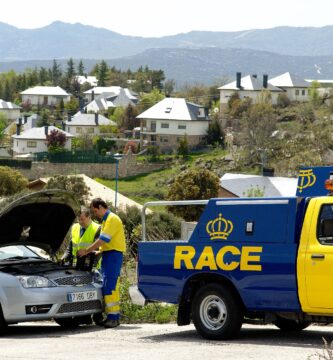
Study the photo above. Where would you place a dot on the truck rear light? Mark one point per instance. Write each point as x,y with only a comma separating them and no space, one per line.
329,184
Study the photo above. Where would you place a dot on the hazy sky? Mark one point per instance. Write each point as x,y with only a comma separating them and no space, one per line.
169,17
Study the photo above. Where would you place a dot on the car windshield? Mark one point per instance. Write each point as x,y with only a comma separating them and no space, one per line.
16,252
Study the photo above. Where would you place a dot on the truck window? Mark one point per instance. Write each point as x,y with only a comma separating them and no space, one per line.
325,225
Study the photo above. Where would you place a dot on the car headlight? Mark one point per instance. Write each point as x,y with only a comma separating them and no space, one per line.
34,281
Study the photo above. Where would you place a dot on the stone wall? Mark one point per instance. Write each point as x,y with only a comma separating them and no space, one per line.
126,167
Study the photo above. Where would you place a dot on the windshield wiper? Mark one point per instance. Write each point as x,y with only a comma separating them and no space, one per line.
20,258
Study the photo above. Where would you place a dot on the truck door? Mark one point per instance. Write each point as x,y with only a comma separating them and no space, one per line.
317,239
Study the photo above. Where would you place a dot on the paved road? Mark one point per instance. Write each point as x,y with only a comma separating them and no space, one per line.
48,341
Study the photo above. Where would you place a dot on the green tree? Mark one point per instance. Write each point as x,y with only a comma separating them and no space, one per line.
56,73
194,184
215,133
169,87
258,124
80,68
55,141
73,184
128,120
11,181
183,149
148,100
102,75
314,93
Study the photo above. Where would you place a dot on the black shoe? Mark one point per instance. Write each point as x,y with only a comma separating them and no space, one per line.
111,323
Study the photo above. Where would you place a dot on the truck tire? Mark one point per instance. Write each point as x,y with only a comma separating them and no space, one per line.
217,312
3,324
291,325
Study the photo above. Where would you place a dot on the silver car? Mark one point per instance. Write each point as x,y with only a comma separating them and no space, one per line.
31,286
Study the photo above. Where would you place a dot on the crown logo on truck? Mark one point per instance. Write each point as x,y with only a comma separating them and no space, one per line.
219,228
306,179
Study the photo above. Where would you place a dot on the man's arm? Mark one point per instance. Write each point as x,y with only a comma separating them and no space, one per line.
92,247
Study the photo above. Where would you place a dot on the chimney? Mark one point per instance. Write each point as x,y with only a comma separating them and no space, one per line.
25,118
92,95
18,126
63,126
96,118
46,128
81,103
238,80
265,81
254,76
69,117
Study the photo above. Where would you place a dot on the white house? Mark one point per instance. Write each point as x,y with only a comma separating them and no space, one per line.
295,87
34,140
239,185
83,79
45,95
108,100
91,94
81,124
249,86
170,119
10,110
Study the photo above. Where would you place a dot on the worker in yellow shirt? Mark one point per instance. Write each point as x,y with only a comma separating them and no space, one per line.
112,244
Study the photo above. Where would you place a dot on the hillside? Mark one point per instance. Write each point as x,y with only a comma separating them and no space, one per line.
63,40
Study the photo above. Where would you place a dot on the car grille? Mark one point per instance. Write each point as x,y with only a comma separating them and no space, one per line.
74,280
80,306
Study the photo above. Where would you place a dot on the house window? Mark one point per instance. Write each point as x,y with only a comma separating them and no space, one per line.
31,144
182,127
79,130
164,139
201,112
165,126
297,92
90,130
303,92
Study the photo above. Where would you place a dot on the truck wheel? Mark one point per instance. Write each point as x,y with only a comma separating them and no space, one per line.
3,324
291,325
217,312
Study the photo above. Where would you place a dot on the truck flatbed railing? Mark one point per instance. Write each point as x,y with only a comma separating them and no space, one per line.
165,203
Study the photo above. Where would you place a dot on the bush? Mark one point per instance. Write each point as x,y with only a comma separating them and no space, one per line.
11,181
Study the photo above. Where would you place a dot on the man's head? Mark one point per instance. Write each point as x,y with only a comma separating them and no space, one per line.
98,207
84,217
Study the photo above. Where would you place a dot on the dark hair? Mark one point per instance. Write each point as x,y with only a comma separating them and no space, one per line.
97,202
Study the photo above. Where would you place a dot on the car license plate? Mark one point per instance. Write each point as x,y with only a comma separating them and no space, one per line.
82,296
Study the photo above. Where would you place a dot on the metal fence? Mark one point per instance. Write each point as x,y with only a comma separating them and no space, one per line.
14,163
75,157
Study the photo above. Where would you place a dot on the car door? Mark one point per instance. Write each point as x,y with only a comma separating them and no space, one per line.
318,259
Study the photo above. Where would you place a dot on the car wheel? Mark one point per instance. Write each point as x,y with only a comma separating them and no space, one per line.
291,325
3,324
217,312
68,323
99,319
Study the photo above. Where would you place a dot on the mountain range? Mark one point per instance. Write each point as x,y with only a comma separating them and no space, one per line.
197,56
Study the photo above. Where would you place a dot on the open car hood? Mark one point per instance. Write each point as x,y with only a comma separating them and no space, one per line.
40,219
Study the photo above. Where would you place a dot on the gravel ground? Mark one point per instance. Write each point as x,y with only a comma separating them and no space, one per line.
46,340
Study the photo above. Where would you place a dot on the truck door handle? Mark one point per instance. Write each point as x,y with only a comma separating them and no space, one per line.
317,256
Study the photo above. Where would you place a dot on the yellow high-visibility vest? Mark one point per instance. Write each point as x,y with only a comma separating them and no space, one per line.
86,240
